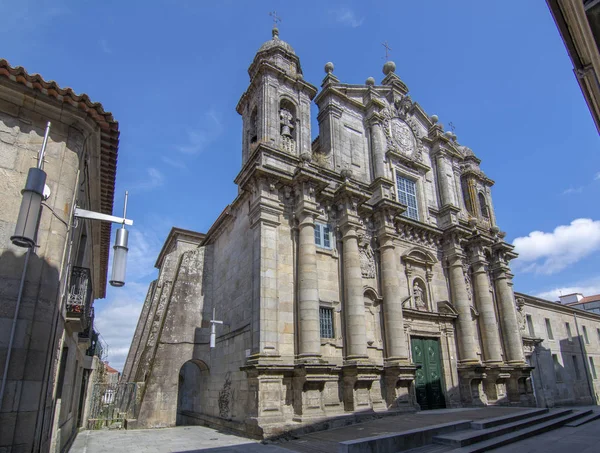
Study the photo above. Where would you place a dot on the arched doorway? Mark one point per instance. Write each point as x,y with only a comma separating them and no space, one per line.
192,389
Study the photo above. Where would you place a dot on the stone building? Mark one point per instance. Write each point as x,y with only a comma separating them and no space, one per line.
578,22
562,343
360,270
47,363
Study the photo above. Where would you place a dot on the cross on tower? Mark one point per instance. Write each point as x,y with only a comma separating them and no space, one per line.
451,124
387,50
275,17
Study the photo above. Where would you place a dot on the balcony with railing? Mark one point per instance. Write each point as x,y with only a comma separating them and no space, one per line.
79,302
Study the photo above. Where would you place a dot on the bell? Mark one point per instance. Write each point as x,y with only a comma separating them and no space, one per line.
286,131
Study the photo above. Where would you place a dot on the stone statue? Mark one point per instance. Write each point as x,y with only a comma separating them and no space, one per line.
419,296
287,122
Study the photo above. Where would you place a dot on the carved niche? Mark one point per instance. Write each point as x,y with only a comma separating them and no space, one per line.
367,261
419,273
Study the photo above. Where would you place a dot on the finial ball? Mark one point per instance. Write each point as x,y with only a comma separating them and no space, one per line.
370,81
434,119
329,67
388,67
275,32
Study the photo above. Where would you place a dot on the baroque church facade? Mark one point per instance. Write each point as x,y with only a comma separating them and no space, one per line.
361,270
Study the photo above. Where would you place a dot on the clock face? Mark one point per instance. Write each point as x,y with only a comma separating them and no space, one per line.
402,136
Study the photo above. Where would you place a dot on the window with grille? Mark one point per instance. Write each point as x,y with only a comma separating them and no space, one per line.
576,367
530,325
326,321
549,329
407,195
557,374
593,368
323,235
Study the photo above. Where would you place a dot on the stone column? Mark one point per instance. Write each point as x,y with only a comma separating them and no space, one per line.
465,325
309,344
378,148
442,177
508,316
354,307
490,334
392,301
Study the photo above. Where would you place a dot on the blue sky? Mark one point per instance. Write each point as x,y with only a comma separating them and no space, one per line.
172,72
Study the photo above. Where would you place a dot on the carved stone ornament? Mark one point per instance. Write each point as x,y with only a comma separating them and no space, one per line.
468,282
367,261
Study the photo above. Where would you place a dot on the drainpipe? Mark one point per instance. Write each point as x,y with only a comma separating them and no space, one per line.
14,327
585,359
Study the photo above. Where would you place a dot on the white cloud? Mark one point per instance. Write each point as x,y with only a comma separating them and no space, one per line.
198,139
154,178
117,316
548,253
587,288
116,321
175,163
104,46
573,190
348,17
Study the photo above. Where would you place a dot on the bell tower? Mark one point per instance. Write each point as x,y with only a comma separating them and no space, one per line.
275,108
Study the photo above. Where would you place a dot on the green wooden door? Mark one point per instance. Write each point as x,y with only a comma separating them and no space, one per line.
428,379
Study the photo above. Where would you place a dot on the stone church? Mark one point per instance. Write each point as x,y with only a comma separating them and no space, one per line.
362,270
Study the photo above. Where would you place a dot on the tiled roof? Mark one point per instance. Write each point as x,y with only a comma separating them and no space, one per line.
109,139
109,369
587,299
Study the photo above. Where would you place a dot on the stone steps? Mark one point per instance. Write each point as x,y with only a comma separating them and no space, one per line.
584,420
496,421
526,430
472,436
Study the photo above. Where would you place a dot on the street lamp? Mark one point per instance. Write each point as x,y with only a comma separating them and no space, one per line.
117,277
31,204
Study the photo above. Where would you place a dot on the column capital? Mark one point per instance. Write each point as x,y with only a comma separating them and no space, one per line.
347,199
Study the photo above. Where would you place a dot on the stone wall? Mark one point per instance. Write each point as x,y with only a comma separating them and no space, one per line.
36,412
557,380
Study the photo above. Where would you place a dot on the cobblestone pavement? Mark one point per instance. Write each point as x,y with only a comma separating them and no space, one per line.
188,439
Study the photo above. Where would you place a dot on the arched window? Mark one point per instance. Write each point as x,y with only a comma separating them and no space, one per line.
252,127
483,207
287,119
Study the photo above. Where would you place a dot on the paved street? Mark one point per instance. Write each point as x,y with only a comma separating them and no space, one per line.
188,439
191,439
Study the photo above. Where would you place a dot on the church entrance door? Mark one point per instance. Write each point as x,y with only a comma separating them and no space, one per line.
428,379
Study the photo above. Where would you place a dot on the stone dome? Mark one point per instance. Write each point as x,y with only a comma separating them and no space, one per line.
276,42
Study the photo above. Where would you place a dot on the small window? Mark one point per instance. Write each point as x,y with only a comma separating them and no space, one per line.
598,332
326,322
593,368
585,335
549,329
569,335
483,207
323,235
530,326
576,367
557,374
407,195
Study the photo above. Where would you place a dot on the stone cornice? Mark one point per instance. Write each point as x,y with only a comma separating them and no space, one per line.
407,161
555,306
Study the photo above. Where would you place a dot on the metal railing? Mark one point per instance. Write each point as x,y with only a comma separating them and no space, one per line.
80,293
